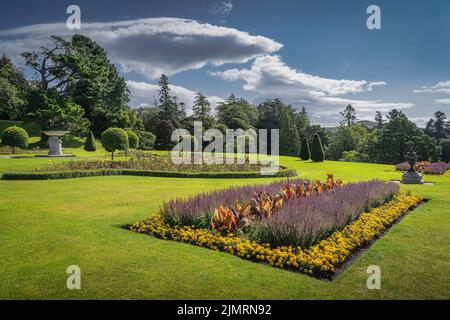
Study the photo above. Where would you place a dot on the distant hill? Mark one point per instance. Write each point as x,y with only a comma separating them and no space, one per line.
367,123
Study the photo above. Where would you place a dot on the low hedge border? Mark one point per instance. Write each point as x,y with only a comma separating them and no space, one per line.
322,260
69,174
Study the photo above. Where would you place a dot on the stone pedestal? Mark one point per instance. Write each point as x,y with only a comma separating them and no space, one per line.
54,146
412,177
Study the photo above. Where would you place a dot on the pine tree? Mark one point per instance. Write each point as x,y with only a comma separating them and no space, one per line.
90,144
349,115
317,154
379,120
305,154
289,139
302,122
168,106
201,107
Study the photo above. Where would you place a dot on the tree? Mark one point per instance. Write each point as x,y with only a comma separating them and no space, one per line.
53,111
89,144
349,115
52,65
237,113
346,139
289,139
13,90
438,127
150,117
114,139
445,150
81,70
398,135
201,107
15,137
133,139
394,113
168,107
317,154
302,122
379,121
164,135
305,154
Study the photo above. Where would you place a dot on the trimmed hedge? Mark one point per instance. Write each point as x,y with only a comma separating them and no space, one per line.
69,174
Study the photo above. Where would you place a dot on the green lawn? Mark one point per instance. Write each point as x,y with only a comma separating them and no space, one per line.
46,226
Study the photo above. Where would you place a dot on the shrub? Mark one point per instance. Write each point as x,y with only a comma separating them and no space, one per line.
305,154
317,154
90,144
164,135
146,140
133,140
114,139
15,137
351,156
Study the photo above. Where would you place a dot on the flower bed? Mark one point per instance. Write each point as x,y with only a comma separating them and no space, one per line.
322,259
298,212
425,167
147,161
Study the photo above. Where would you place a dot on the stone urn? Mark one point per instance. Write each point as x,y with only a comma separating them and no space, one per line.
55,144
411,176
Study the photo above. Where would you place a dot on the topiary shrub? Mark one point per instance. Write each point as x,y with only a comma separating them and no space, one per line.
317,154
164,135
90,144
305,154
15,137
114,139
133,140
146,140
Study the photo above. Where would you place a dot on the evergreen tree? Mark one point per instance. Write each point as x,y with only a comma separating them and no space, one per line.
201,107
349,115
438,127
305,154
168,107
90,144
164,135
317,154
379,120
289,139
302,123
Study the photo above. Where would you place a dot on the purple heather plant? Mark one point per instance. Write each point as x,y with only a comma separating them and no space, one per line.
199,209
435,168
304,221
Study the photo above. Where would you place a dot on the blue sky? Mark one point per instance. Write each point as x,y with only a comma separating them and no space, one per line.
314,53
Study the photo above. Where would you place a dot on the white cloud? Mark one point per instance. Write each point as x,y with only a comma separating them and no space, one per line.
152,46
271,77
143,94
440,87
441,101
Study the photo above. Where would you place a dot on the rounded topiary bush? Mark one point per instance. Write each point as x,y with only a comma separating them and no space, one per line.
15,137
90,144
305,154
133,140
317,154
146,140
114,139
